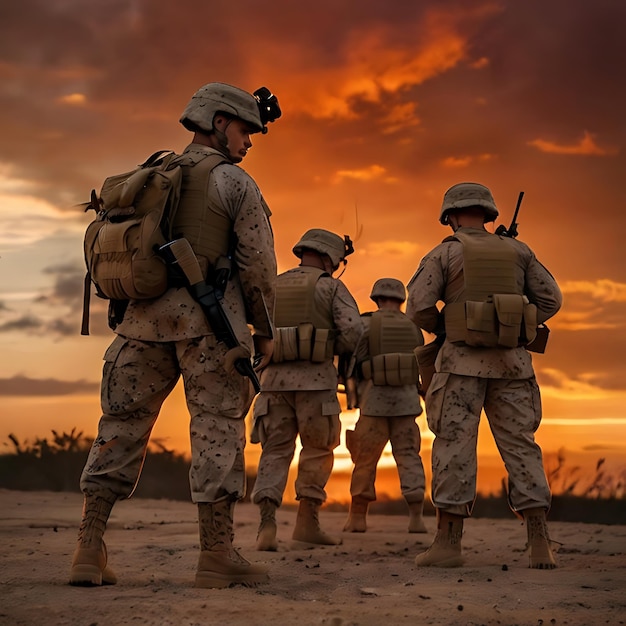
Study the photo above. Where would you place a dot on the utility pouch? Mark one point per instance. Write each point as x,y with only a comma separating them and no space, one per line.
322,347
305,341
455,324
529,325
395,369
377,365
285,344
510,311
401,369
480,320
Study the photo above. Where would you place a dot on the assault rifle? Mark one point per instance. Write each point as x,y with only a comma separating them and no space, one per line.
180,254
511,231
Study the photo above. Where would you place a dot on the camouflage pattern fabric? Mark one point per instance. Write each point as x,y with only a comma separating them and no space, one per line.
300,398
368,441
386,414
314,416
163,339
467,380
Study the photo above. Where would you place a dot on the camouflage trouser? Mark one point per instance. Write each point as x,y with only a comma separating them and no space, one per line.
513,408
366,445
137,378
314,415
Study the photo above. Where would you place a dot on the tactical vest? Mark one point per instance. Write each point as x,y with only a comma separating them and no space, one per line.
491,311
392,340
303,332
204,226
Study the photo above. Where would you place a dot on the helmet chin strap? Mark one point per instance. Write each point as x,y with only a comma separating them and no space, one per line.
454,225
222,140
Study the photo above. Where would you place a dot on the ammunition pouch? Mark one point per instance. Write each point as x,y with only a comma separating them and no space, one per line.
303,342
502,321
395,369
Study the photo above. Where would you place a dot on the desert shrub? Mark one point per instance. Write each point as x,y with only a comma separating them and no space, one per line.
56,465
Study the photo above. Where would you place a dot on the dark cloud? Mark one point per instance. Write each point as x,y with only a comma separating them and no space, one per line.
68,282
24,386
23,323
429,93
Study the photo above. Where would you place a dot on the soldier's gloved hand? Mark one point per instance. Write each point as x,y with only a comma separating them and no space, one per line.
233,355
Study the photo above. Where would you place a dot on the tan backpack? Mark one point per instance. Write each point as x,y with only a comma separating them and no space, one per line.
134,213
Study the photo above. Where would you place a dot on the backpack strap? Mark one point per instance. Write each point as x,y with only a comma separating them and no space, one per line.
84,328
153,158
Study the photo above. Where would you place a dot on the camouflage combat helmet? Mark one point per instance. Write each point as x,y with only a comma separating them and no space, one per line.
325,242
256,109
464,195
388,288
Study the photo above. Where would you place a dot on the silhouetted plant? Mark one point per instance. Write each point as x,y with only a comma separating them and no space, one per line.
56,465
568,481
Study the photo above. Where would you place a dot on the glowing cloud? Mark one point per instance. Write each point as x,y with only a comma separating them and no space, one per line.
454,162
375,67
73,99
581,320
400,116
465,161
366,174
604,289
585,147
557,384
389,247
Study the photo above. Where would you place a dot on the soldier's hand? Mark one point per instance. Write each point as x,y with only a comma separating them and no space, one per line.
263,349
233,355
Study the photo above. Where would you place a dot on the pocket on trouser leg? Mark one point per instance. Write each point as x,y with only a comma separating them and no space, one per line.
434,400
535,398
261,408
129,377
331,411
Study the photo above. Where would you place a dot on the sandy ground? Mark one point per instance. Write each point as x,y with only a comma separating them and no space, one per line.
369,579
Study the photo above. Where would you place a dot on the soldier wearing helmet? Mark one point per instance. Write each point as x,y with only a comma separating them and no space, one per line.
495,293
223,215
226,116
389,402
315,319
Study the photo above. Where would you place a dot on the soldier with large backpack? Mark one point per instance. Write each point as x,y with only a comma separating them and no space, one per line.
223,220
495,293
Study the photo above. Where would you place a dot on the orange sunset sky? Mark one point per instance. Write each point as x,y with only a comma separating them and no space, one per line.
385,105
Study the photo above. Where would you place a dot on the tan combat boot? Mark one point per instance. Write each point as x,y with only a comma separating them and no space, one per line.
416,522
220,565
445,550
308,525
266,537
356,522
541,556
89,564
